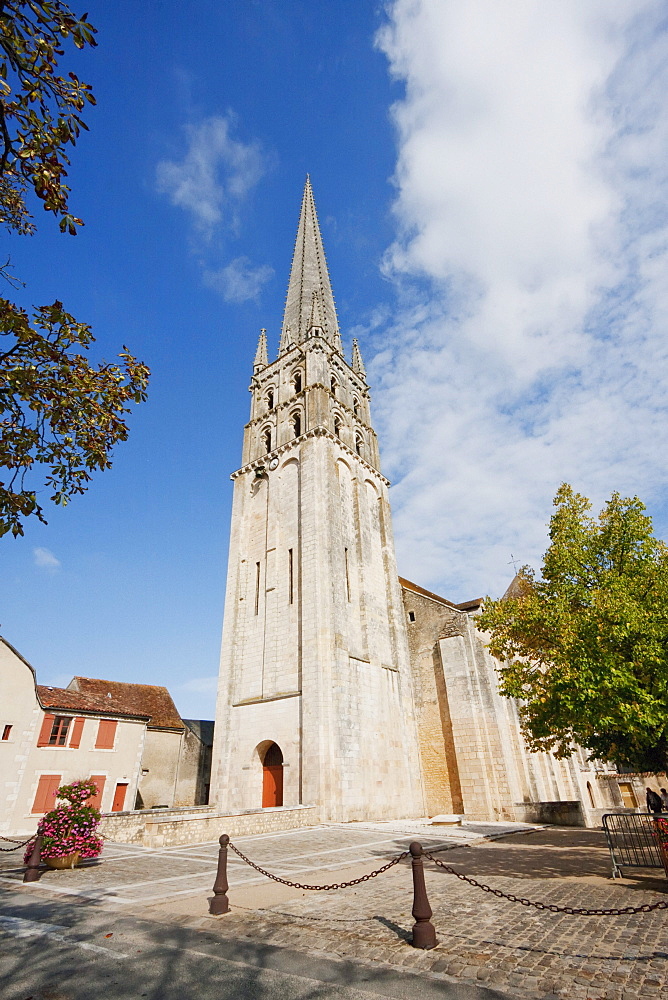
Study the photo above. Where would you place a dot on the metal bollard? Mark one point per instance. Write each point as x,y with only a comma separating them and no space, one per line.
220,904
32,873
424,935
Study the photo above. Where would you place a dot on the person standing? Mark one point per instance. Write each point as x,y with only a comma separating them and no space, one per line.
664,799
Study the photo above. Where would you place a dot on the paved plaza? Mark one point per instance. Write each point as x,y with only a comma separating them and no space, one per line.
483,940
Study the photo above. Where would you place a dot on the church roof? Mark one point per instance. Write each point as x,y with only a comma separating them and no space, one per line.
464,606
148,700
309,300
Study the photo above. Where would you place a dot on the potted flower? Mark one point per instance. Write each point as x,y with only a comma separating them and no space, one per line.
68,832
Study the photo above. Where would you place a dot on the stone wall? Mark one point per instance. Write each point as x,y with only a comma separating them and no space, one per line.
556,813
197,826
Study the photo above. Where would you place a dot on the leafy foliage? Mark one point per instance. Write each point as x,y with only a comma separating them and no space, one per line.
40,111
55,408
587,642
71,825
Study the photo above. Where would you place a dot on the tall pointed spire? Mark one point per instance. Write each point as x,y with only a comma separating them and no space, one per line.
261,356
358,364
309,277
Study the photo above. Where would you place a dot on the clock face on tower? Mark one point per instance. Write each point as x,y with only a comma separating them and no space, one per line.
273,464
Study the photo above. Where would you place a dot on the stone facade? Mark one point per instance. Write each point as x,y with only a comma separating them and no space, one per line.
379,698
474,759
314,654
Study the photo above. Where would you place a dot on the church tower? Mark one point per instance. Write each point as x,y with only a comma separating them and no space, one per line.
315,703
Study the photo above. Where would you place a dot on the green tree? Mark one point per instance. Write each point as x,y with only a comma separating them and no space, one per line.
56,409
586,643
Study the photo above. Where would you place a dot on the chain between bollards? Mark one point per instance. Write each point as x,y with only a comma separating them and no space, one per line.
424,934
220,904
31,873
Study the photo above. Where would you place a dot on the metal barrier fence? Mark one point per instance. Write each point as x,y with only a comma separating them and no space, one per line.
635,840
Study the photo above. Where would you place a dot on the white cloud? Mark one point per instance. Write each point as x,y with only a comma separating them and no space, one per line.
215,174
530,260
239,281
45,559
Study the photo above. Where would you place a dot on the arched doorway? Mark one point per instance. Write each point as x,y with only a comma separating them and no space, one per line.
272,777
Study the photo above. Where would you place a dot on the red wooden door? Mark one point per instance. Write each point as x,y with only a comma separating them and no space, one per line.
119,798
272,785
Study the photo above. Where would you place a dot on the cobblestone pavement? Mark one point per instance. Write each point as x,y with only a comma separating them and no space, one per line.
483,940
127,874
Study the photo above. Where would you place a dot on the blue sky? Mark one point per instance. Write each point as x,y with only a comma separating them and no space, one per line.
491,185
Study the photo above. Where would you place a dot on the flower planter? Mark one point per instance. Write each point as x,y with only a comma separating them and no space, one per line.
68,861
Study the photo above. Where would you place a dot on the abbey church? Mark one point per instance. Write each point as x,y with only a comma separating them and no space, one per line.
344,687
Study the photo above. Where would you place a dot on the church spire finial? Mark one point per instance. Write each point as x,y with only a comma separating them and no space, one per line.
358,364
261,356
308,277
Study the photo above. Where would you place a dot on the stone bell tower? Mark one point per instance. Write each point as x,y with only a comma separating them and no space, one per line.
315,703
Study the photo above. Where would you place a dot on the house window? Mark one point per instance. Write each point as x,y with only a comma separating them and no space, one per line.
356,406
106,734
411,616
99,781
297,381
270,399
45,796
333,384
358,444
296,425
291,576
337,427
59,730
5,732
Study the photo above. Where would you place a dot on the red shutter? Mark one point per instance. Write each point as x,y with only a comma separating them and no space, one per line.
106,734
45,799
96,800
45,731
75,741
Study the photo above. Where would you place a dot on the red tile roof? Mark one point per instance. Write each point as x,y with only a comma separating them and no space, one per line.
74,701
144,699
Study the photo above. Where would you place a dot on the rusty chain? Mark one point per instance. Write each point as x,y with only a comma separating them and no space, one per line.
17,844
552,907
336,885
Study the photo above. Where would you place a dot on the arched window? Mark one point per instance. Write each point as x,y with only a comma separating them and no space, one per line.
270,399
272,777
337,426
356,406
266,437
297,381
359,444
296,424
334,385
591,795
